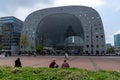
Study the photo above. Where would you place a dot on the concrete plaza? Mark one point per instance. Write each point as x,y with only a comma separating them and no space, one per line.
84,62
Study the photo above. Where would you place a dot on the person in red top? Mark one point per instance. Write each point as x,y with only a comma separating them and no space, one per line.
53,64
65,64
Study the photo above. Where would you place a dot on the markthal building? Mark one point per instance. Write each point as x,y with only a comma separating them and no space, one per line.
66,28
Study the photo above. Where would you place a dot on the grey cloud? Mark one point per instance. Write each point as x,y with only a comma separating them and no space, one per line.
9,6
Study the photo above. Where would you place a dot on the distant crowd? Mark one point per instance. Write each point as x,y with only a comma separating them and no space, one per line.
6,53
50,52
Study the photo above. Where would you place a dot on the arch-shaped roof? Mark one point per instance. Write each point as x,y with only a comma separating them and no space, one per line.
89,18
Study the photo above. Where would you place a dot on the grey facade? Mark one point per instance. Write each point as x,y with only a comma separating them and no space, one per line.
66,26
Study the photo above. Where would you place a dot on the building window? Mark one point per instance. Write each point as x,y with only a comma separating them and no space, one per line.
102,52
80,11
99,24
98,17
86,52
97,36
33,32
101,36
96,33
95,28
102,45
97,52
87,36
97,46
92,17
87,46
92,46
100,28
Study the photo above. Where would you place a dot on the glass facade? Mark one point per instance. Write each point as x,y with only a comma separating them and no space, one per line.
67,26
73,41
117,40
10,28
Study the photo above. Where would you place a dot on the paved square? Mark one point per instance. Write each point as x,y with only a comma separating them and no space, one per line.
84,62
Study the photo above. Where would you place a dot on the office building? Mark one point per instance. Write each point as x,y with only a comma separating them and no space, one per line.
10,31
117,40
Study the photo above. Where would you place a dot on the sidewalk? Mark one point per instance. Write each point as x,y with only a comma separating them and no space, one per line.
84,62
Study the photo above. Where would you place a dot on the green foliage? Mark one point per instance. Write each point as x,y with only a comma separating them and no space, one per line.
39,47
24,41
32,47
110,50
1,46
28,73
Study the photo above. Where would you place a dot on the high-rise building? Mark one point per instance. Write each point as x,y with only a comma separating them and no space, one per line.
117,40
10,31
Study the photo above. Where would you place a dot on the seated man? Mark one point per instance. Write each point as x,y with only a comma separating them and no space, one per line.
53,64
65,64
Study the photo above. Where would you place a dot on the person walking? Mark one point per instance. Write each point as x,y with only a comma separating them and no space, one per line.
66,56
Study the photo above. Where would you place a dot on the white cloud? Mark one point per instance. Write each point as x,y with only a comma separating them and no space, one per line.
110,36
117,32
90,3
23,12
110,39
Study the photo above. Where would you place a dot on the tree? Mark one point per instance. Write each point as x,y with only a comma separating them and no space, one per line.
1,46
24,41
32,47
110,50
39,47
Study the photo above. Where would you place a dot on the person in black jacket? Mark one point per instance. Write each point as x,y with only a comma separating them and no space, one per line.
18,63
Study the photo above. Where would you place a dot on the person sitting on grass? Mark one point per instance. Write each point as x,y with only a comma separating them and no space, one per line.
18,63
65,64
53,64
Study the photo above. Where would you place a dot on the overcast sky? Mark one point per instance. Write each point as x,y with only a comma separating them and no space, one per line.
109,11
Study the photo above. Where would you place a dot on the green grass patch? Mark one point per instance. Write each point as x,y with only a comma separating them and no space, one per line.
28,73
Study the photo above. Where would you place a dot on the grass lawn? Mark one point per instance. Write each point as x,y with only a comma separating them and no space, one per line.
29,73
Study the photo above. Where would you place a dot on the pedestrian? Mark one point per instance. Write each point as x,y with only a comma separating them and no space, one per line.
53,64
66,56
18,63
9,52
65,64
34,53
